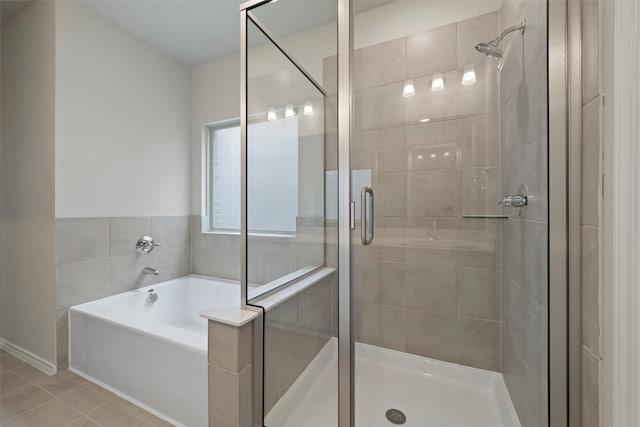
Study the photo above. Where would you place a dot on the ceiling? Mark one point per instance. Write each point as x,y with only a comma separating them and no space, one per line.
196,31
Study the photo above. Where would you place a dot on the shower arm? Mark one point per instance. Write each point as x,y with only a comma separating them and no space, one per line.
521,27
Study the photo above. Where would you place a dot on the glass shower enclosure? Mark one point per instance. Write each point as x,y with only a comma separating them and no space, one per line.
408,147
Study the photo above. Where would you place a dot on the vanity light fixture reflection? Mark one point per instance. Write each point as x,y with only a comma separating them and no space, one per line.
288,112
409,89
437,83
308,109
425,120
469,75
271,114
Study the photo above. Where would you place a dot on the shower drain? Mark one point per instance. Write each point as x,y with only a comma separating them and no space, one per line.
396,416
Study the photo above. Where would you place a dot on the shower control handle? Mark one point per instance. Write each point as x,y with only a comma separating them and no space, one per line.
514,201
366,213
145,244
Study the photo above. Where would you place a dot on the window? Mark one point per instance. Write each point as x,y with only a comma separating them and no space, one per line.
272,180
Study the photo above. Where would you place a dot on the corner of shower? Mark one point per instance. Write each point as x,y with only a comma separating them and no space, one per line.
444,283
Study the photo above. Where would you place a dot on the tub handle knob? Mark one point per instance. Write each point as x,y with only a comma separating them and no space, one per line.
145,244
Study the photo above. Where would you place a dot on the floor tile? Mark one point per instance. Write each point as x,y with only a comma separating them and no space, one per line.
84,422
9,381
86,399
7,361
20,400
30,373
53,413
114,414
58,383
119,412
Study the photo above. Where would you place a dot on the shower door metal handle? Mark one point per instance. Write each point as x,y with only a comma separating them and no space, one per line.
367,216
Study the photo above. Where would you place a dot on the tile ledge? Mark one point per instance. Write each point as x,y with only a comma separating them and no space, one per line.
232,316
274,299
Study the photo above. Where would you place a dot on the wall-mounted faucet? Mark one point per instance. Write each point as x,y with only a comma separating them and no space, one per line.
149,270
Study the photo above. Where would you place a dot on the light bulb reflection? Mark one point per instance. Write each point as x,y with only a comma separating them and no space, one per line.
288,112
409,89
437,83
271,114
469,75
308,109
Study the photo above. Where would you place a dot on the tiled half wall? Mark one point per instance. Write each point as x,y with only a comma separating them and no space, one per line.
96,257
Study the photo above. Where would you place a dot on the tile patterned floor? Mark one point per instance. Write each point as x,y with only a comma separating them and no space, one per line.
30,398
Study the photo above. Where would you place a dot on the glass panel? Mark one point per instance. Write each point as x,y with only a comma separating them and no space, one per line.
298,159
285,163
299,24
453,282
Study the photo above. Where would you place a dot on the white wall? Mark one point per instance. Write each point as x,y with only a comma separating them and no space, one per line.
27,181
122,122
216,85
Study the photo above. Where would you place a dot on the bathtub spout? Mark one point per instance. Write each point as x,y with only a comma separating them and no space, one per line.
149,270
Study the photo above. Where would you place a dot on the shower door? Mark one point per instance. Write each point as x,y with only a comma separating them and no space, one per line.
429,163
448,296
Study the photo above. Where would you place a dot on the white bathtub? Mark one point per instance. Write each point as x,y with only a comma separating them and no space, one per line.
154,354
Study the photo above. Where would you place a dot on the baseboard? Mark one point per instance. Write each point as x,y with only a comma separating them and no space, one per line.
28,357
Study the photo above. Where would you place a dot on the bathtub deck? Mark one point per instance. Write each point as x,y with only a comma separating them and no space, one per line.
430,393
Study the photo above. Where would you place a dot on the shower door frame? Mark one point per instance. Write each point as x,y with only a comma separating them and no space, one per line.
558,241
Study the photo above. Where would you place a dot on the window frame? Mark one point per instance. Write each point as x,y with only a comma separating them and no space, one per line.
208,185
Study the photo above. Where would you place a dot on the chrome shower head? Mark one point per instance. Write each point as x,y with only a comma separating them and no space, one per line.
492,48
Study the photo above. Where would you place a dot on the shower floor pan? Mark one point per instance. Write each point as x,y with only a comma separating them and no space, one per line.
429,392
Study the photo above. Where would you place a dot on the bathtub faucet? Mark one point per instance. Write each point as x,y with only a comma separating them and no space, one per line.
149,270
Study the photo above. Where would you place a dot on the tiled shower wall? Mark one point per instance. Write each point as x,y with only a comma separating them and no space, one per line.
428,284
524,139
217,254
96,257
295,331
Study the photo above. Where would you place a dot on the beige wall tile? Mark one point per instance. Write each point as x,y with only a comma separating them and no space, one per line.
479,291
125,232
472,31
381,107
478,141
432,335
393,328
383,63
432,51
432,193
171,231
230,347
82,281
431,288
79,239
127,275
380,282
535,261
479,343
